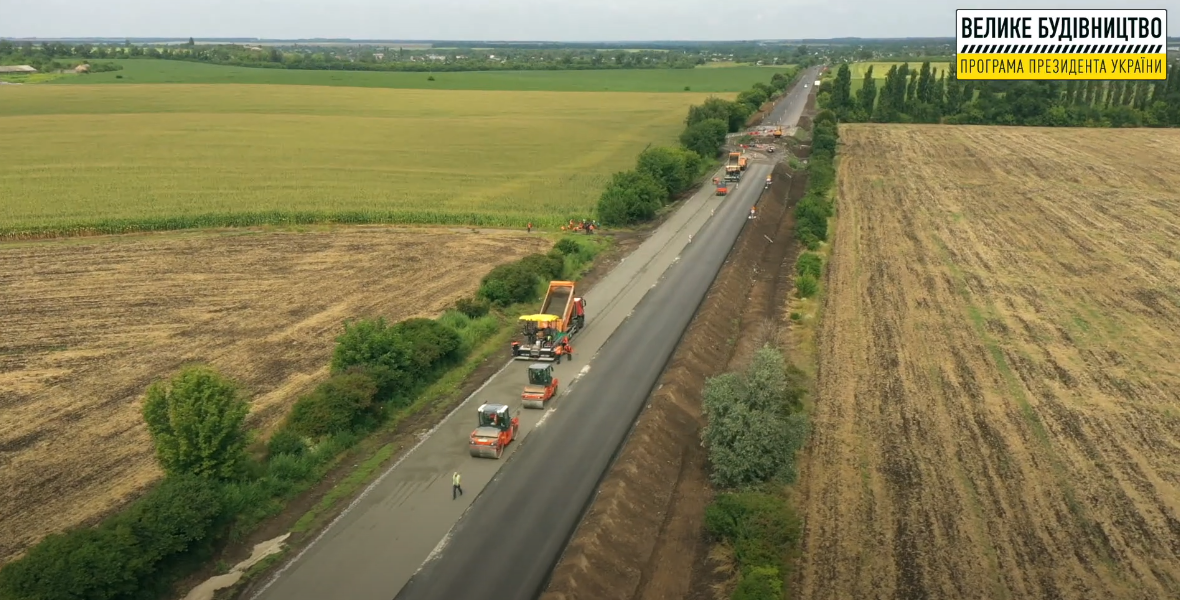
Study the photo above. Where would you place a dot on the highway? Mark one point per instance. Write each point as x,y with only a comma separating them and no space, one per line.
505,546
535,493
374,547
788,111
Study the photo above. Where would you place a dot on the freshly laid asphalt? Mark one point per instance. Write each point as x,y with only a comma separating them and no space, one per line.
530,500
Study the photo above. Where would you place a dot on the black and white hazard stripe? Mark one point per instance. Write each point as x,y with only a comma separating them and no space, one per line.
1061,49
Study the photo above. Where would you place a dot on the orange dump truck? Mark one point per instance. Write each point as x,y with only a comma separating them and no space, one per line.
562,314
742,162
733,165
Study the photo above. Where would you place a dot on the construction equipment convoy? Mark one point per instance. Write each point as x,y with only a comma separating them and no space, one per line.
545,333
542,386
496,430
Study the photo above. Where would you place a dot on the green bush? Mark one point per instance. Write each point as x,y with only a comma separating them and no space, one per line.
806,285
508,284
630,197
197,424
759,583
432,346
344,402
567,246
809,263
473,306
760,527
285,441
127,556
545,266
375,346
752,430
472,332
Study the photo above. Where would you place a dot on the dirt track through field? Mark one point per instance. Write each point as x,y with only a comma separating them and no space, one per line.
998,413
88,325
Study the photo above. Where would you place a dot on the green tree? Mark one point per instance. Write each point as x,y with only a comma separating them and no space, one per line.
925,89
630,197
705,137
674,168
197,424
711,108
841,99
866,97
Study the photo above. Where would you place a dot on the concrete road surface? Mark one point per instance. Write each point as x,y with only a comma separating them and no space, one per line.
506,545
374,547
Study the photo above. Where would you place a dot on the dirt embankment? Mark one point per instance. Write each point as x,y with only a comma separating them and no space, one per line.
643,535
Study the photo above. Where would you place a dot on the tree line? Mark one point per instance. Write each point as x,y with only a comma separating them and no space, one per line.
221,482
909,95
358,59
663,173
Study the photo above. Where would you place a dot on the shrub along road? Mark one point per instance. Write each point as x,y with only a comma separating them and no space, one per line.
374,547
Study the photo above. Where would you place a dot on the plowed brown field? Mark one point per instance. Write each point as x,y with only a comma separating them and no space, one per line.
88,325
998,412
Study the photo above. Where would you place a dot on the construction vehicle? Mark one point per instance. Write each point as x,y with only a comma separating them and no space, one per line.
562,315
722,189
542,386
742,162
560,301
778,132
496,430
732,166
543,339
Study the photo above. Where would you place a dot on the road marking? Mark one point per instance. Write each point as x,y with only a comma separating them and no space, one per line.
437,551
375,483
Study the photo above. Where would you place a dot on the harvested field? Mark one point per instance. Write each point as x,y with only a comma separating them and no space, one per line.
642,538
998,413
88,325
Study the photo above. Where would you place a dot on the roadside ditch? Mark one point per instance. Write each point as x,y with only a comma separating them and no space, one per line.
643,536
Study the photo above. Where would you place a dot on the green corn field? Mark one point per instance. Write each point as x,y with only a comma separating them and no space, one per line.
83,160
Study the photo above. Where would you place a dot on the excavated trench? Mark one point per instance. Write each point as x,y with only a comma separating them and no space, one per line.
642,538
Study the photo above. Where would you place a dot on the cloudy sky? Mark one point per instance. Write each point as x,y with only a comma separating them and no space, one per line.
561,20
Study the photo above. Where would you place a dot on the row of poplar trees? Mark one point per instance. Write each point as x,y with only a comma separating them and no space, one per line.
928,95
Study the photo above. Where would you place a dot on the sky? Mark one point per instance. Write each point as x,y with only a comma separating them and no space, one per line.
507,20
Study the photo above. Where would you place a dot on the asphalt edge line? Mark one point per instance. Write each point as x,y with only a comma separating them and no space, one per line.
421,440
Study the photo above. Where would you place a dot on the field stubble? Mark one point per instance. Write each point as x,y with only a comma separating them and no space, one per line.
88,325
997,413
